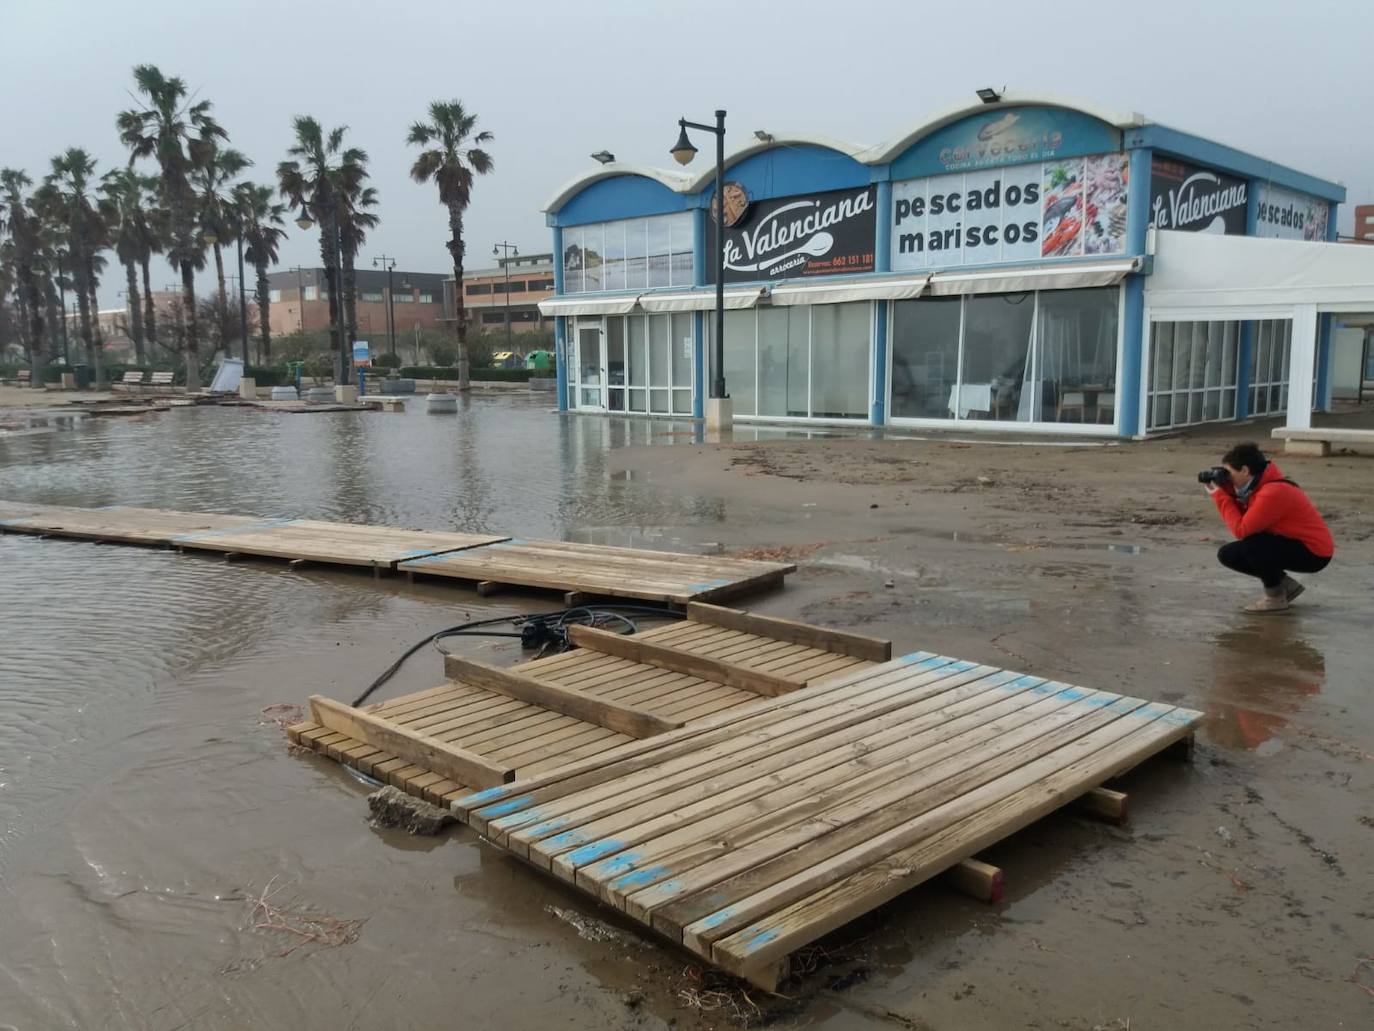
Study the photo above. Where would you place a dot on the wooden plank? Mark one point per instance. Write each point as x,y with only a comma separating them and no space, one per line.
480,807
1105,804
842,642
978,880
988,820
455,763
569,701
667,657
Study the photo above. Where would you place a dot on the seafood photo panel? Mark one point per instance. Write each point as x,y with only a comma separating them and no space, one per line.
1054,209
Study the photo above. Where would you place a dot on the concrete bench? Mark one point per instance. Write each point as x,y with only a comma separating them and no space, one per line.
24,377
131,380
162,379
1318,440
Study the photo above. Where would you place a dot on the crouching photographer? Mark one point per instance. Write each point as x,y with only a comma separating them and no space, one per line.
1277,527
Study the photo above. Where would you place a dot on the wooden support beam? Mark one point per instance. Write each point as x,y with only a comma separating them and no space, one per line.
296,563
666,657
841,642
1106,804
979,880
1181,749
572,599
487,587
604,712
457,764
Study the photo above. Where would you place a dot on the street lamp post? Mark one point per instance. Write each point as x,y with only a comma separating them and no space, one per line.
683,152
387,262
509,249
243,302
342,359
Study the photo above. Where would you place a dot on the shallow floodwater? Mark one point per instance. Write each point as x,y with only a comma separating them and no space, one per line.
146,802
142,798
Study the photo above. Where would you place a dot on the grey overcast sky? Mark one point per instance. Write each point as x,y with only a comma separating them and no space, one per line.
556,81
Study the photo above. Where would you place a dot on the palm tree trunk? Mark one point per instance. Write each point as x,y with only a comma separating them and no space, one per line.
135,309
350,278
264,315
33,309
219,278
331,275
97,334
83,308
460,311
53,346
188,302
149,323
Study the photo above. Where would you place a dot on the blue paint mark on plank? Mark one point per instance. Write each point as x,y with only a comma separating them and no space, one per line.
717,918
758,938
639,878
597,849
545,826
565,840
230,531
501,808
486,795
620,863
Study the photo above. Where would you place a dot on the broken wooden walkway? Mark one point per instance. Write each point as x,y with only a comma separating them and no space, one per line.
743,785
491,560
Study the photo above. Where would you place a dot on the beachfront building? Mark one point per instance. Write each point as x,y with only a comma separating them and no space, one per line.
1023,264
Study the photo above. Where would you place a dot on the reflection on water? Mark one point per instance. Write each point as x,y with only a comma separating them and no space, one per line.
1247,707
504,464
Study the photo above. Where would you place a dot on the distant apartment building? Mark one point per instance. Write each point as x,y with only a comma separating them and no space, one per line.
299,300
516,284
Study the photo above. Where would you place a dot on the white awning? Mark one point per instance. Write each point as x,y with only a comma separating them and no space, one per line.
701,300
1035,277
588,305
895,288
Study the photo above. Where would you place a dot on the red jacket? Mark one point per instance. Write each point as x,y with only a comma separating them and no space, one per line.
1279,508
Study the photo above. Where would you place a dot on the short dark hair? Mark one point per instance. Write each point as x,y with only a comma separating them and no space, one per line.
1247,455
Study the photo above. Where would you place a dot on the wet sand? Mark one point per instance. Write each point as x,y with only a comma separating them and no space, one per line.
144,801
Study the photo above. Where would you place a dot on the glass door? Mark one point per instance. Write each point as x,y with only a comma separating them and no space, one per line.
591,370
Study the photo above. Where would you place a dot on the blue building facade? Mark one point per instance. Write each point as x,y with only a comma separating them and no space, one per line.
984,270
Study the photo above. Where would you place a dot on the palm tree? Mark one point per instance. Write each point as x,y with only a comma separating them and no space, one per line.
158,230
259,218
452,158
24,232
357,220
174,132
67,199
213,175
124,190
319,178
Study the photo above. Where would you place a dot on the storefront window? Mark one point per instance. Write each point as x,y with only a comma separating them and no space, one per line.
1192,373
1076,355
925,357
840,335
1029,357
995,383
626,363
630,254
799,361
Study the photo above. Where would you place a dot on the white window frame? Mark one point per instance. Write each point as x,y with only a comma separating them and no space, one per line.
864,420
1097,429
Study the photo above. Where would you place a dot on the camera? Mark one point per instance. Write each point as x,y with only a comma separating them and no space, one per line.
1218,474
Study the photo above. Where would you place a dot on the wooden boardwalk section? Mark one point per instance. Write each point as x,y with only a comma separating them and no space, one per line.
743,786
118,524
600,569
582,571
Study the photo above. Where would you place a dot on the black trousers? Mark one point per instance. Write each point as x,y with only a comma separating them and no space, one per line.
1268,556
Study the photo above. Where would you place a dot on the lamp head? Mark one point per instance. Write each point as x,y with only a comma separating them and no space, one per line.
683,151
603,156
303,219
988,95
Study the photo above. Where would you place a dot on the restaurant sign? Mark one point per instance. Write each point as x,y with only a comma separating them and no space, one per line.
804,235
1288,215
1195,199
